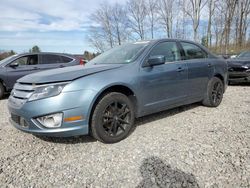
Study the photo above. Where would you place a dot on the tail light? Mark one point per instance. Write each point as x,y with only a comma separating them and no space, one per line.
82,61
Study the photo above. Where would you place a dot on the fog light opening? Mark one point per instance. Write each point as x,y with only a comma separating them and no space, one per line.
51,121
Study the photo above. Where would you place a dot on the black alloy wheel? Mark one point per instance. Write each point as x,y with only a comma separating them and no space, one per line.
1,90
214,94
217,93
113,118
116,118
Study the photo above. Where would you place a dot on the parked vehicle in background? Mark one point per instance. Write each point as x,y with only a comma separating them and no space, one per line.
17,66
239,68
244,55
126,82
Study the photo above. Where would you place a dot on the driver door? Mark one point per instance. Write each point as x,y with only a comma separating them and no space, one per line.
164,85
20,67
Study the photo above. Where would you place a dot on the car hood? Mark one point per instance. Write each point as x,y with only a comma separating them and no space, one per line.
238,62
66,74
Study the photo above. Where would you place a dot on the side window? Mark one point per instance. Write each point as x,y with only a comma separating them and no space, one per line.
51,59
26,60
193,51
168,49
66,59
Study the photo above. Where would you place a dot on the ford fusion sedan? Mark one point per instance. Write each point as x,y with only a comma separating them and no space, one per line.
104,97
239,68
17,66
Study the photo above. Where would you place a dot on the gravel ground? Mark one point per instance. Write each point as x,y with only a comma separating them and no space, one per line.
191,146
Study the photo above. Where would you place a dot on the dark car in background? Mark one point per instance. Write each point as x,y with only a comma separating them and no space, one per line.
17,66
239,68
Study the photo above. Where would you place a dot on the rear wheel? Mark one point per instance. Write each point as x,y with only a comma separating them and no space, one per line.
214,93
113,118
1,90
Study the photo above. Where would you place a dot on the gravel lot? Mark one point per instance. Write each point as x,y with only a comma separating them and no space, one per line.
191,146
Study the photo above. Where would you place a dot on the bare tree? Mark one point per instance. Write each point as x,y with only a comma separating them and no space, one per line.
165,9
151,6
211,10
227,22
242,21
228,8
119,23
103,18
96,39
193,9
179,21
137,13
217,25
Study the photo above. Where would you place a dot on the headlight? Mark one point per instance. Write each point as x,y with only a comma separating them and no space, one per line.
45,91
246,66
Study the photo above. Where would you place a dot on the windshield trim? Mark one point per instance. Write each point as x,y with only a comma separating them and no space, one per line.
6,60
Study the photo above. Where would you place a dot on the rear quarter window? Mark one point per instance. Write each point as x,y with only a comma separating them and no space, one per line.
66,59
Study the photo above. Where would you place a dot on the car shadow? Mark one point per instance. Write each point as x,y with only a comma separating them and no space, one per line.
67,140
156,173
6,96
164,114
240,84
138,122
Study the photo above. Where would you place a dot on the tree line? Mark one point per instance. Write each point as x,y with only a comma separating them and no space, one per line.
218,24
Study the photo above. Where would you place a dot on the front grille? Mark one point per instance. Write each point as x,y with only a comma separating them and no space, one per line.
22,91
20,94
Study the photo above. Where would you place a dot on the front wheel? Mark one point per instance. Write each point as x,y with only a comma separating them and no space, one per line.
1,90
214,93
113,118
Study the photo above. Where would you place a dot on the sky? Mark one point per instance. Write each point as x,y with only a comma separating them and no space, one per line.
55,26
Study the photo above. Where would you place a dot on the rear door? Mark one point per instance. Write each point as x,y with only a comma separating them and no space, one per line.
199,68
164,85
52,61
49,61
23,65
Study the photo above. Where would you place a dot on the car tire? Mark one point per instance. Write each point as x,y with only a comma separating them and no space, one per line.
113,118
2,90
214,95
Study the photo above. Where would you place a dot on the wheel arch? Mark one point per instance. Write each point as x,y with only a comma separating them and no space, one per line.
4,86
120,88
221,78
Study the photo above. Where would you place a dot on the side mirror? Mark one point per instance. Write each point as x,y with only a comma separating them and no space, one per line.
14,65
156,60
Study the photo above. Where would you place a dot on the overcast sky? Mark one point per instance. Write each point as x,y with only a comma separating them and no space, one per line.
59,26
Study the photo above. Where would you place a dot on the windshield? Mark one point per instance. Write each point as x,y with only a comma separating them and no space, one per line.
121,54
244,55
6,59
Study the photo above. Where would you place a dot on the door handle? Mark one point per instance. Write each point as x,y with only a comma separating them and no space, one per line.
36,68
209,65
180,69
61,66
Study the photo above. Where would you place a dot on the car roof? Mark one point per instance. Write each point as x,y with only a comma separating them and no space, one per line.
51,53
168,39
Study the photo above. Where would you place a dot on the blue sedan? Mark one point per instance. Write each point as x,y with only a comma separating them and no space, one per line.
104,97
